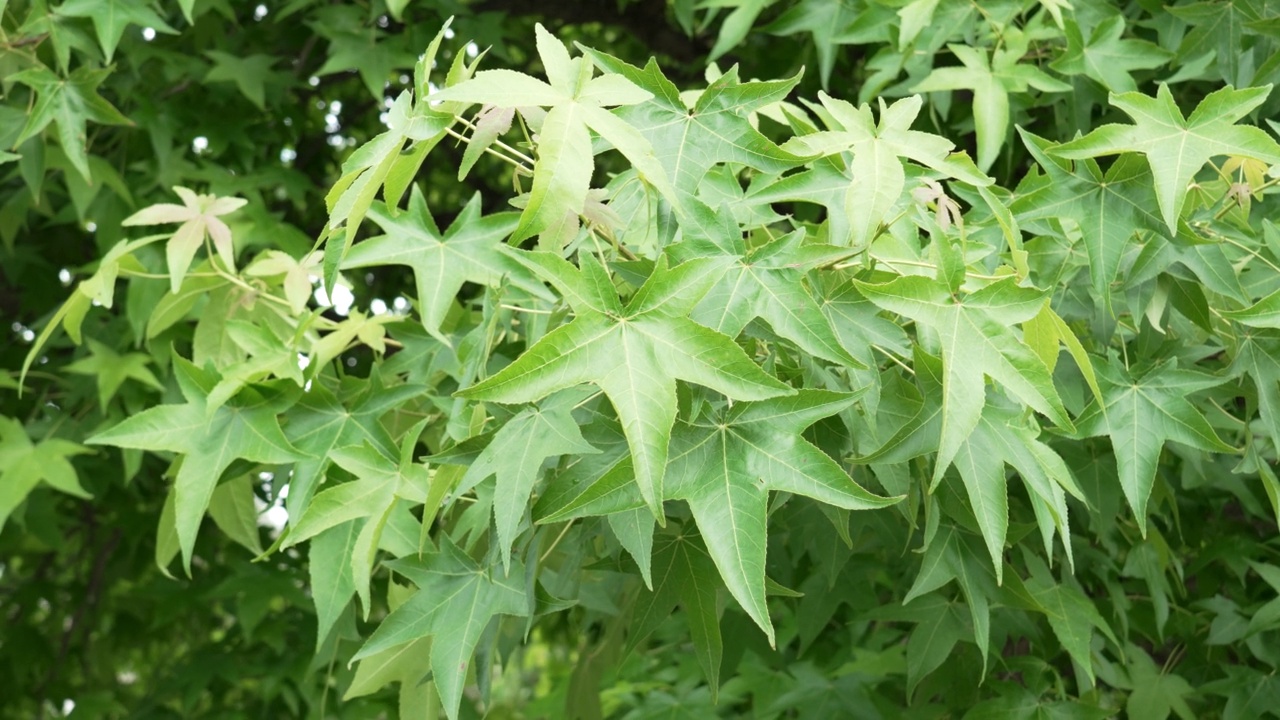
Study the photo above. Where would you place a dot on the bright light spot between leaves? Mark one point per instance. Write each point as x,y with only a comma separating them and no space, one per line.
67,706
64,277
342,299
472,49
335,107
126,677
91,226
448,33
303,361
200,144
313,81
276,517
378,306
401,304
148,34
260,12
28,335
404,80
288,155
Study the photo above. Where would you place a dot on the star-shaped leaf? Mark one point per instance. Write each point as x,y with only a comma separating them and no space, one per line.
1144,409
323,421
515,454
991,79
380,163
875,154
250,73
687,577
380,482
1109,209
70,102
725,464
1178,147
199,216
1001,438
690,141
977,339
1107,56
562,172
634,354
1259,357
455,601
112,369
246,427
24,464
471,250
767,283
111,17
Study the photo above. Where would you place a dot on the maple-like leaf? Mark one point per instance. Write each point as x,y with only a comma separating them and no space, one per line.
111,17
950,556
1177,147
250,73
515,454
991,79
471,250
767,282
724,464
380,483
199,217
875,153
686,577
112,369
455,601
977,339
832,23
382,163
1107,56
70,102
323,421
246,427
1109,208
634,354
689,141
1143,409
562,171
24,464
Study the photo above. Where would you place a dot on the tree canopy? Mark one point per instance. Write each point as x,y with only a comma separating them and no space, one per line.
651,358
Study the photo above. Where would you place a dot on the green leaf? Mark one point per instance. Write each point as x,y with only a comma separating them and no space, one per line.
111,370
456,599
323,421
232,508
1178,147
1143,409
250,73
768,283
246,427
1109,209
878,177
977,340
991,79
111,17
725,463
69,102
471,250
1071,614
332,583
517,452
24,464
634,354
686,576
380,483
1107,57
717,125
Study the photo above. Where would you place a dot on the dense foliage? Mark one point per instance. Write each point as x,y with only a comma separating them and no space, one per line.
740,358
